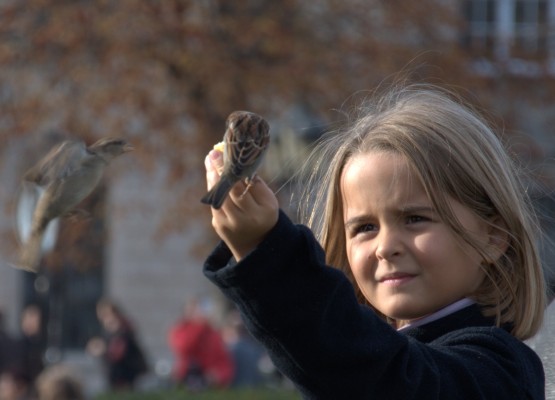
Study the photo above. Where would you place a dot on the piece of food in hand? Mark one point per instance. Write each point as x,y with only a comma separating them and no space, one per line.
245,142
219,147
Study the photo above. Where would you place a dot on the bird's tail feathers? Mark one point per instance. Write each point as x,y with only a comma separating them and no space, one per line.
216,196
30,254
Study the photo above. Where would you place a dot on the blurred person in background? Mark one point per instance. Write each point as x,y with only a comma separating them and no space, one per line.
15,384
201,357
118,346
8,354
32,342
246,352
58,382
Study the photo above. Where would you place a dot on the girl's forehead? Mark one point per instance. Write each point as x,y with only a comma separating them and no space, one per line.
388,163
381,178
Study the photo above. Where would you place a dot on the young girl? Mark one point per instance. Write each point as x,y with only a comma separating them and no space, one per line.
421,209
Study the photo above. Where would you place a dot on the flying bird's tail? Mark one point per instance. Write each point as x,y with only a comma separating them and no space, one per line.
30,254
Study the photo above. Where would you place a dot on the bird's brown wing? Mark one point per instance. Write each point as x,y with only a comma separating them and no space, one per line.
59,163
246,138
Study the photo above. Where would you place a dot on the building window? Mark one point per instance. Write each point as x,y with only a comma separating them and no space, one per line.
480,35
531,29
70,280
505,30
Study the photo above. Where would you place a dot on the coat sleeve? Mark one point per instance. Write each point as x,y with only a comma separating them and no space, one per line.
307,316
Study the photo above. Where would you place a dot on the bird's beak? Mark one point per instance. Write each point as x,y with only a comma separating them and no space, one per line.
127,148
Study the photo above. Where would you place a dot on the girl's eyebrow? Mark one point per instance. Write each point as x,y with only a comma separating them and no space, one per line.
355,221
417,209
410,209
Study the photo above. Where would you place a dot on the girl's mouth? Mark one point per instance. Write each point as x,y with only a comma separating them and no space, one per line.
397,278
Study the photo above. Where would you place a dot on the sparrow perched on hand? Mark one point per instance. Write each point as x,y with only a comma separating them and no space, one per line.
245,141
66,175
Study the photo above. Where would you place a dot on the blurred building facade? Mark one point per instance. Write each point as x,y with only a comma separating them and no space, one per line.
512,46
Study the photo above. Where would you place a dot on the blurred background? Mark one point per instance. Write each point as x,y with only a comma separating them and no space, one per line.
165,75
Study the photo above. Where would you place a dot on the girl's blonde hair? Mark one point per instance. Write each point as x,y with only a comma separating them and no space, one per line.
456,155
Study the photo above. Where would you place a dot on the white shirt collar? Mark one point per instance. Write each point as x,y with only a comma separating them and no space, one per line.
450,309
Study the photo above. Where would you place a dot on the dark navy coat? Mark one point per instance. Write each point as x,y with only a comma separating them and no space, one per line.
306,315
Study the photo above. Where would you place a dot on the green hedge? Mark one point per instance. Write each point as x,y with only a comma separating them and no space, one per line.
180,394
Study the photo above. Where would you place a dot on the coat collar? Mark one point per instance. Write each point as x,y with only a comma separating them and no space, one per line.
470,316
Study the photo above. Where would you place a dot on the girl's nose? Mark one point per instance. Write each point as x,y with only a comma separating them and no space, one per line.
389,243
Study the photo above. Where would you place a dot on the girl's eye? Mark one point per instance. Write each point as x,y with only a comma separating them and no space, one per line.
416,218
365,228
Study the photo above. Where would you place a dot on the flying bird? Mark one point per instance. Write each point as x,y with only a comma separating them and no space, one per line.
245,141
66,176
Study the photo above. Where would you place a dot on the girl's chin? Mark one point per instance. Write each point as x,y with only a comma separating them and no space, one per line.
403,314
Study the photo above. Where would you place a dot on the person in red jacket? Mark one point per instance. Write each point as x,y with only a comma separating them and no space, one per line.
201,357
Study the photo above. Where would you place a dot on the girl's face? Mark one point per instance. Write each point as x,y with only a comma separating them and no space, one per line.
405,259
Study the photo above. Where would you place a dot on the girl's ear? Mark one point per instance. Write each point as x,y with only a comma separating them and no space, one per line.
498,239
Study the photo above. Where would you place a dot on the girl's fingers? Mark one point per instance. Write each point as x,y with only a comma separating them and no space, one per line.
261,192
257,195
213,163
243,196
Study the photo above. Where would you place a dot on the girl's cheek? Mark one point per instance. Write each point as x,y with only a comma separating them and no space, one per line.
353,250
359,259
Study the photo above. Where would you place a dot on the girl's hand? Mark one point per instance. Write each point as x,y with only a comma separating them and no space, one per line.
244,218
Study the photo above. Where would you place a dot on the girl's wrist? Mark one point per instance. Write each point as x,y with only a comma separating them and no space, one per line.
242,244
241,249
